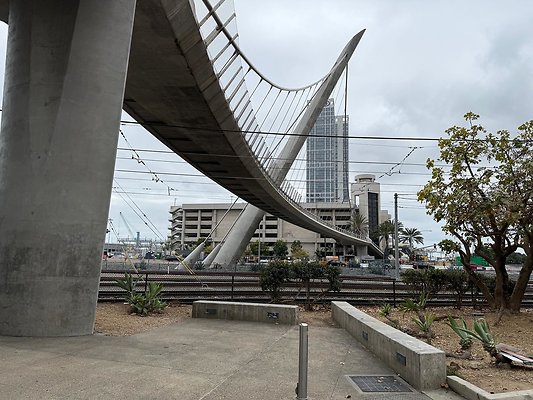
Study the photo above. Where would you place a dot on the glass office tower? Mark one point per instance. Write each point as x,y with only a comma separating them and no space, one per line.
327,158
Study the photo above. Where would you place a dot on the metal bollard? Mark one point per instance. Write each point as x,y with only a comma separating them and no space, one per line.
301,388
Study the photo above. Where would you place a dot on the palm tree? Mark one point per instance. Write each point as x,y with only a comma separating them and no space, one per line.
385,231
358,224
411,236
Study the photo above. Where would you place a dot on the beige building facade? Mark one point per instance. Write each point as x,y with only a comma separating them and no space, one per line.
190,222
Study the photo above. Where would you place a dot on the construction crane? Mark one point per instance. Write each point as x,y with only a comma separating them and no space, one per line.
127,225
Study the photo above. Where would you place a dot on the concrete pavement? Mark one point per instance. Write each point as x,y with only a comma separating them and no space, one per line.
194,360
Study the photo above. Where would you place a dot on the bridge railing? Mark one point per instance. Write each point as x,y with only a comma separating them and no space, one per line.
267,107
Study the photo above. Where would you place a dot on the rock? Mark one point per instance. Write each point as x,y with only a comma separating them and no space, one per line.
453,364
476,365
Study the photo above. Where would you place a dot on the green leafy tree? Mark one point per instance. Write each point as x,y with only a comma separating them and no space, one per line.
208,249
484,198
200,240
280,248
273,276
297,250
254,247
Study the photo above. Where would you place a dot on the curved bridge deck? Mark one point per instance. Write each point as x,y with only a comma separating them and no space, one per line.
174,93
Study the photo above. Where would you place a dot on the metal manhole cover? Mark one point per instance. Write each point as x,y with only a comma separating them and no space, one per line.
380,383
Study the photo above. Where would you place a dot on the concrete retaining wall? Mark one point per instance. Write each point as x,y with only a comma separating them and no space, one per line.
270,313
420,364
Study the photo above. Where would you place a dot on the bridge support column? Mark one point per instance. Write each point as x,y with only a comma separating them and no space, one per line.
362,250
64,84
248,221
239,236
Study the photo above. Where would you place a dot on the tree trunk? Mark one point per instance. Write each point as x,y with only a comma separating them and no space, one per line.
501,299
481,286
525,273
308,295
521,285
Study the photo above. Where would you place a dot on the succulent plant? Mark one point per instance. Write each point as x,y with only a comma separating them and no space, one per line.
465,338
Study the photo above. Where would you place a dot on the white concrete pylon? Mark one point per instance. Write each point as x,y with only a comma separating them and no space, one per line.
243,230
194,255
211,256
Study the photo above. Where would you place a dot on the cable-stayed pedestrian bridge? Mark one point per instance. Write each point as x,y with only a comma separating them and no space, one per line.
190,85
187,83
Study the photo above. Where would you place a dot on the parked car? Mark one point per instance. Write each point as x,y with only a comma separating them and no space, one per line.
337,263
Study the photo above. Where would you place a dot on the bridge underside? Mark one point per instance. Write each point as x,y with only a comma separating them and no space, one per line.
179,100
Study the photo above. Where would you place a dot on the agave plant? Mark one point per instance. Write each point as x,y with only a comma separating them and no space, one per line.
482,333
385,310
409,305
465,338
424,324
142,303
129,284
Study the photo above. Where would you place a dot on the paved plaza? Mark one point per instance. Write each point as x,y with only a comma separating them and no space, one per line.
198,359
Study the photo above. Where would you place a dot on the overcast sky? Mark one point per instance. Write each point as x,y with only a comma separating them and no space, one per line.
420,66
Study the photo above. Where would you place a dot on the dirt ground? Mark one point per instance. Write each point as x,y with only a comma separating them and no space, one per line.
481,370
515,330
114,319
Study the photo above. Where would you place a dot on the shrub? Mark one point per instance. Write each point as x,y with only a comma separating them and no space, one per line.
305,271
376,270
256,267
332,274
459,283
490,281
273,276
427,282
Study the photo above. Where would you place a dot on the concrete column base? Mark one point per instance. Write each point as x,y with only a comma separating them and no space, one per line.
64,84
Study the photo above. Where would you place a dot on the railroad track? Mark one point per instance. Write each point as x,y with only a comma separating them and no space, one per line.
244,286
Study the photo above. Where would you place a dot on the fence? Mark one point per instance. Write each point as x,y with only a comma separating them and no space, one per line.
184,287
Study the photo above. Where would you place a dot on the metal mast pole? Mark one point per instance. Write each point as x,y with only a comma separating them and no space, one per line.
396,248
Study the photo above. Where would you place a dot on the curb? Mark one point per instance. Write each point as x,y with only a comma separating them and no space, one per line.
472,392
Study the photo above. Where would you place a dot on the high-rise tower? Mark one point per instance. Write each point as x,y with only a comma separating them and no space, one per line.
327,158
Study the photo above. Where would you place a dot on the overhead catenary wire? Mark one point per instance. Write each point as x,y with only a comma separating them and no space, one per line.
362,137
142,215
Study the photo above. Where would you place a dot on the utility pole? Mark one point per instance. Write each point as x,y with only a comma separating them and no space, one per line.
396,248
108,231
